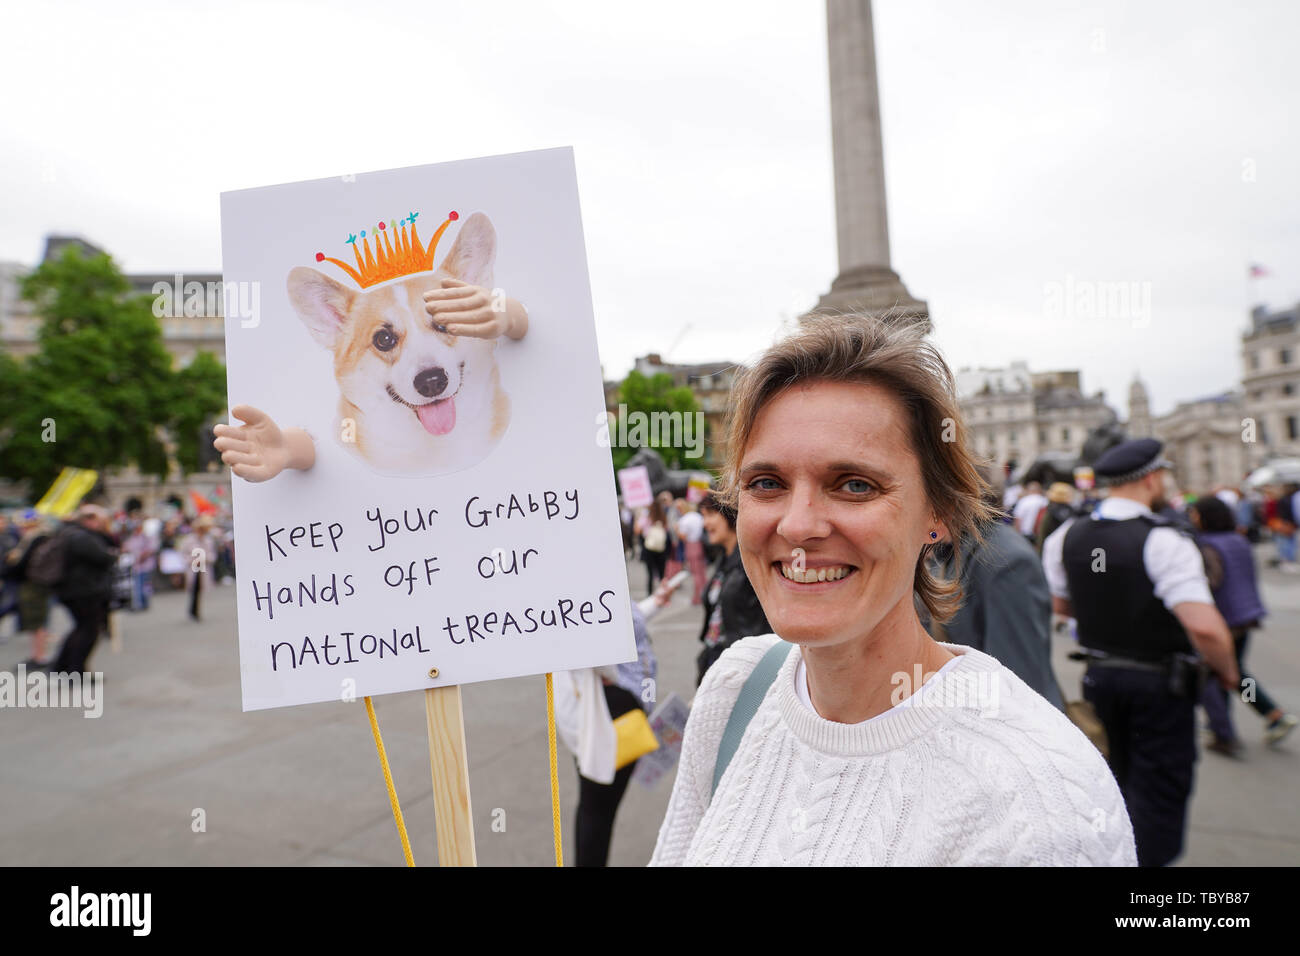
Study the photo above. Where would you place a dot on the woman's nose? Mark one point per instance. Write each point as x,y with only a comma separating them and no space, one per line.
804,519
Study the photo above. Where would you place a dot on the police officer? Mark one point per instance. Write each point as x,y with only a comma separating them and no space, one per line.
1136,586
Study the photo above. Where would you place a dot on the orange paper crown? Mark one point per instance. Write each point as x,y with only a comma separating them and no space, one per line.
398,252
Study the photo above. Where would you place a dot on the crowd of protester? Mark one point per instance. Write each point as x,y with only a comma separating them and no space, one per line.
1225,524
96,562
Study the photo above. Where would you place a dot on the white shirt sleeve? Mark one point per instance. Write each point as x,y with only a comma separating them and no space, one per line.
1053,566
1019,512
1176,568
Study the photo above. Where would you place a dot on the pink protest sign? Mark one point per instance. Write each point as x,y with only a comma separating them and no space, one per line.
634,483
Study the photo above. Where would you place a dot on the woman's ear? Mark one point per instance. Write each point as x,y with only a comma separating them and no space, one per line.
937,532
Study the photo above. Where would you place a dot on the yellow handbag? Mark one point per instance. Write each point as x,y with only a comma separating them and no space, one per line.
635,738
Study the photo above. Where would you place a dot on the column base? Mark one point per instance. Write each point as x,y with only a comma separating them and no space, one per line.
872,290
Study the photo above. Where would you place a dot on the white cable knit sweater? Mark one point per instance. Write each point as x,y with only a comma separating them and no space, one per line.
976,770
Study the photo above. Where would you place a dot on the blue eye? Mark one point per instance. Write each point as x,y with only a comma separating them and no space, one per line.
857,486
757,484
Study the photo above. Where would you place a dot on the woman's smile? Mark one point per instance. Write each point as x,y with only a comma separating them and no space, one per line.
803,577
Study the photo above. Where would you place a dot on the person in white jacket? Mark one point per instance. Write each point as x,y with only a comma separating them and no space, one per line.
587,701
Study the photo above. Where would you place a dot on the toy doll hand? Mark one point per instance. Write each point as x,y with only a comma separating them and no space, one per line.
257,450
464,309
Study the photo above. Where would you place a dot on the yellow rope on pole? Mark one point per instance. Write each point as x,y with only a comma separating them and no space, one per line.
555,773
388,782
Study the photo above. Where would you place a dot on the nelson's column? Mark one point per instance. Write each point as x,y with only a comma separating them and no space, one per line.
865,283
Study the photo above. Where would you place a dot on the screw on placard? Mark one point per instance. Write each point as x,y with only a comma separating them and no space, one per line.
433,672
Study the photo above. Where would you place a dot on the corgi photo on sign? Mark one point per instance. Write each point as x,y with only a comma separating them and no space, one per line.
414,356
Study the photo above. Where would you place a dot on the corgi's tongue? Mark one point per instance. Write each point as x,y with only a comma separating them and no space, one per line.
438,418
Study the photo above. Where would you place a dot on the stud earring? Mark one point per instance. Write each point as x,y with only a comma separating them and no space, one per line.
934,535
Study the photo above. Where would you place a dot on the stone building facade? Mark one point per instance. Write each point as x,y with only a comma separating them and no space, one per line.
1202,437
1015,416
1270,356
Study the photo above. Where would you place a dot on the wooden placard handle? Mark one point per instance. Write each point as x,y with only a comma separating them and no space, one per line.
449,764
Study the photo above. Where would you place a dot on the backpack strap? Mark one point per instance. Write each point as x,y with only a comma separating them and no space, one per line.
752,693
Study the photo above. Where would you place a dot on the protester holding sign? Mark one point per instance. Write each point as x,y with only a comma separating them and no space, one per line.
624,692
868,742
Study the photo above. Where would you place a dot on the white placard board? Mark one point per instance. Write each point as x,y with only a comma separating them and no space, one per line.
461,514
634,483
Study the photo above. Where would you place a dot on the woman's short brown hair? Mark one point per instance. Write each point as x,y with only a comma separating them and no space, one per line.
890,351
713,501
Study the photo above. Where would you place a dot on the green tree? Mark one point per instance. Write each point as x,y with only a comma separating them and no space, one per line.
201,386
646,395
101,391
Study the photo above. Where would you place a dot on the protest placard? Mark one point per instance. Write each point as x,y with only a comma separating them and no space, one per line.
697,488
459,523
634,483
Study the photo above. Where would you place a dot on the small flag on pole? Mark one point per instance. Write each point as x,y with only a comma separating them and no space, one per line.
203,505
67,491
1258,272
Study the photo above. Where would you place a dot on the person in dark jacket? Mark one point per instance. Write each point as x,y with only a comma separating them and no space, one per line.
88,562
1007,611
1230,569
1059,510
731,608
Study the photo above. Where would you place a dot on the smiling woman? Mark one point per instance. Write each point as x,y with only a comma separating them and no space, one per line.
873,744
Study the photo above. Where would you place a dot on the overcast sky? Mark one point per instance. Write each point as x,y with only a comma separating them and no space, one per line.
1032,151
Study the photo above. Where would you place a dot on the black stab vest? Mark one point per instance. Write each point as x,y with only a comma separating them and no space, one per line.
1117,610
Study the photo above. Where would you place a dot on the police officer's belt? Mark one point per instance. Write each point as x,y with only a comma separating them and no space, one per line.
1102,659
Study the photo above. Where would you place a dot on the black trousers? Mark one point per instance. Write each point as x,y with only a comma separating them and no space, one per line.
87,620
598,802
1152,738
655,563
196,586
1262,703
